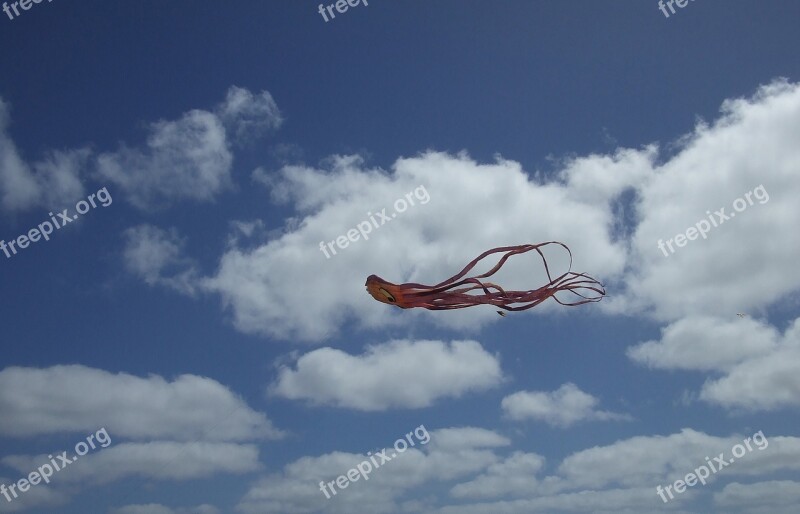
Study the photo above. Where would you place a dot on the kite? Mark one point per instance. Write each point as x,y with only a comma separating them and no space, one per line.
454,293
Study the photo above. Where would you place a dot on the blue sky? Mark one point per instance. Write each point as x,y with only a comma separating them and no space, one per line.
191,314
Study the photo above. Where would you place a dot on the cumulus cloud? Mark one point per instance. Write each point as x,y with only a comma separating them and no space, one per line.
747,262
514,476
756,365
706,343
647,460
764,382
156,256
425,243
601,178
198,421
159,460
404,374
562,408
52,182
617,501
451,439
451,453
77,398
619,477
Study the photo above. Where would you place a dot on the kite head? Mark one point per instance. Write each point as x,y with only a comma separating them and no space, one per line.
383,291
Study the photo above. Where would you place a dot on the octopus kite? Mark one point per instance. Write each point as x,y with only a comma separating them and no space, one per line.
455,292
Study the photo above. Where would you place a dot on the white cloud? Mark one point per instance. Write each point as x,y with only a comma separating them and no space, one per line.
562,408
156,256
35,497
706,343
160,460
515,476
451,453
246,115
620,477
597,179
404,374
184,159
52,182
765,382
197,413
757,364
774,496
630,501
17,184
241,232
746,263
453,439
79,399
426,243
779,453
617,478
59,177
652,460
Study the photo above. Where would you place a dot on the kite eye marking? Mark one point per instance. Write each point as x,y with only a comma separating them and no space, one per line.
387,294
